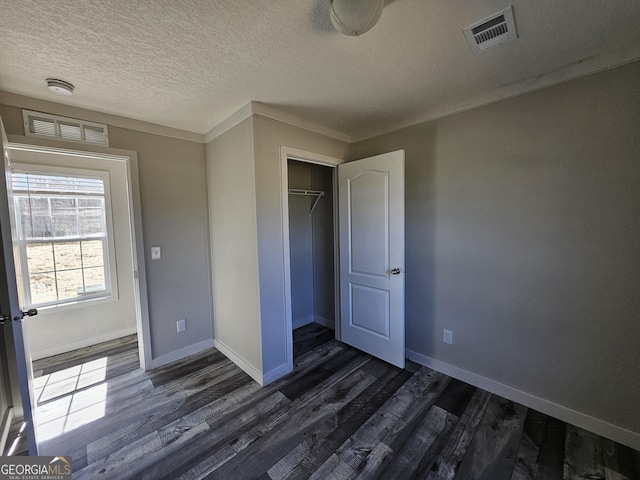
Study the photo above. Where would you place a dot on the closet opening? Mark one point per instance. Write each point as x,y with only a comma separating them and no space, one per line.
310,244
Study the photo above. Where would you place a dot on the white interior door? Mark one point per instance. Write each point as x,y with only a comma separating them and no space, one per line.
11,310
371,212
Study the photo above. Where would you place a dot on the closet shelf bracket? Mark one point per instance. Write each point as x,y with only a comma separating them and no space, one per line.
313,193
315,204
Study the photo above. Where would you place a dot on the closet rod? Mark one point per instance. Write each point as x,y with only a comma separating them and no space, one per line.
312,193
298,191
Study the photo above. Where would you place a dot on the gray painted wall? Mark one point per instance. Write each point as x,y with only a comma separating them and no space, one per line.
269,136
323,244
245,204
300,244
234,249
311,243
174,216
523,238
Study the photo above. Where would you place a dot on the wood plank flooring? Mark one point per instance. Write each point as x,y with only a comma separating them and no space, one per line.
341,414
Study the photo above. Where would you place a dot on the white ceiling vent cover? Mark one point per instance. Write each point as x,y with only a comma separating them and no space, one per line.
492,31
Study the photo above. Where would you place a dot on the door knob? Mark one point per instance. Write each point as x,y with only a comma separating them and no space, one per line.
395,271
4,319
32,312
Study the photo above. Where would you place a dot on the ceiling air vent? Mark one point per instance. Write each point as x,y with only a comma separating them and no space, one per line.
492,31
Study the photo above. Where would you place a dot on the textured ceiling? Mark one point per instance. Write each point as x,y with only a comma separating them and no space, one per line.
191,64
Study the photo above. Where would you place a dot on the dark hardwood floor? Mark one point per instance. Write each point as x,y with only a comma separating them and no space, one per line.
341,414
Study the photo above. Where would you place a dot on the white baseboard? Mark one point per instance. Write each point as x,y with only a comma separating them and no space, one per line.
249,369
566,414
302,321
323,321
276,373
5,430
312,318
85,342
185,352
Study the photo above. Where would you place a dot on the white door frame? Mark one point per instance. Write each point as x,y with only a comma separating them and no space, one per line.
130,158
286,154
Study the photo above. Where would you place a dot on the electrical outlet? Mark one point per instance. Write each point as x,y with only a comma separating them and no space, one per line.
182,325
447,336
156,253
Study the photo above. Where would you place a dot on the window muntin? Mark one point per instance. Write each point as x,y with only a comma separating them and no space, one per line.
63,236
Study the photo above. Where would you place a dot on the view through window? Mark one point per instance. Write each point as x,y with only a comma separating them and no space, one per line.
62,232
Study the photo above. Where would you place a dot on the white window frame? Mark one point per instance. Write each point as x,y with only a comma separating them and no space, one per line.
111,286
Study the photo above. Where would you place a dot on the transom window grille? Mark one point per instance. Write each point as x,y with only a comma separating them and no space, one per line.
41,124
63,236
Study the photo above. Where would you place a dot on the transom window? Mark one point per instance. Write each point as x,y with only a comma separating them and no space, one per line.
63,236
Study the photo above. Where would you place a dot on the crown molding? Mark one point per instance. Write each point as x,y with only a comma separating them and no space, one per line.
581,68
227,124
295,121
584,67
37,104
257,108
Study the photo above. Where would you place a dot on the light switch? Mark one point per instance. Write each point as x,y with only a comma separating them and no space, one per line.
156,253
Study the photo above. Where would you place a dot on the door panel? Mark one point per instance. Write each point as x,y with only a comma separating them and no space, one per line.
368,228
371,212
370,309
11,305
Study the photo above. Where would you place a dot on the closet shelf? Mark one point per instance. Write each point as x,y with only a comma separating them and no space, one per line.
312,193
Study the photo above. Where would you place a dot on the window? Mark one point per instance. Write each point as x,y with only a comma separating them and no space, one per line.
63,236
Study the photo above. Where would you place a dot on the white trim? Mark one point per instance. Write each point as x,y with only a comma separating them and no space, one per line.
310,157
85,342
324,322
234,119
285,154
257,108
137,243
581,68
295,121
43,145
185,352
143,323
5,430
286,256
249,369
302,321
337,327
110,294
275,374
40,105
566,414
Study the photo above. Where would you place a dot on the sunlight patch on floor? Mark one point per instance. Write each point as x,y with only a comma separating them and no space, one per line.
70,398
17,440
